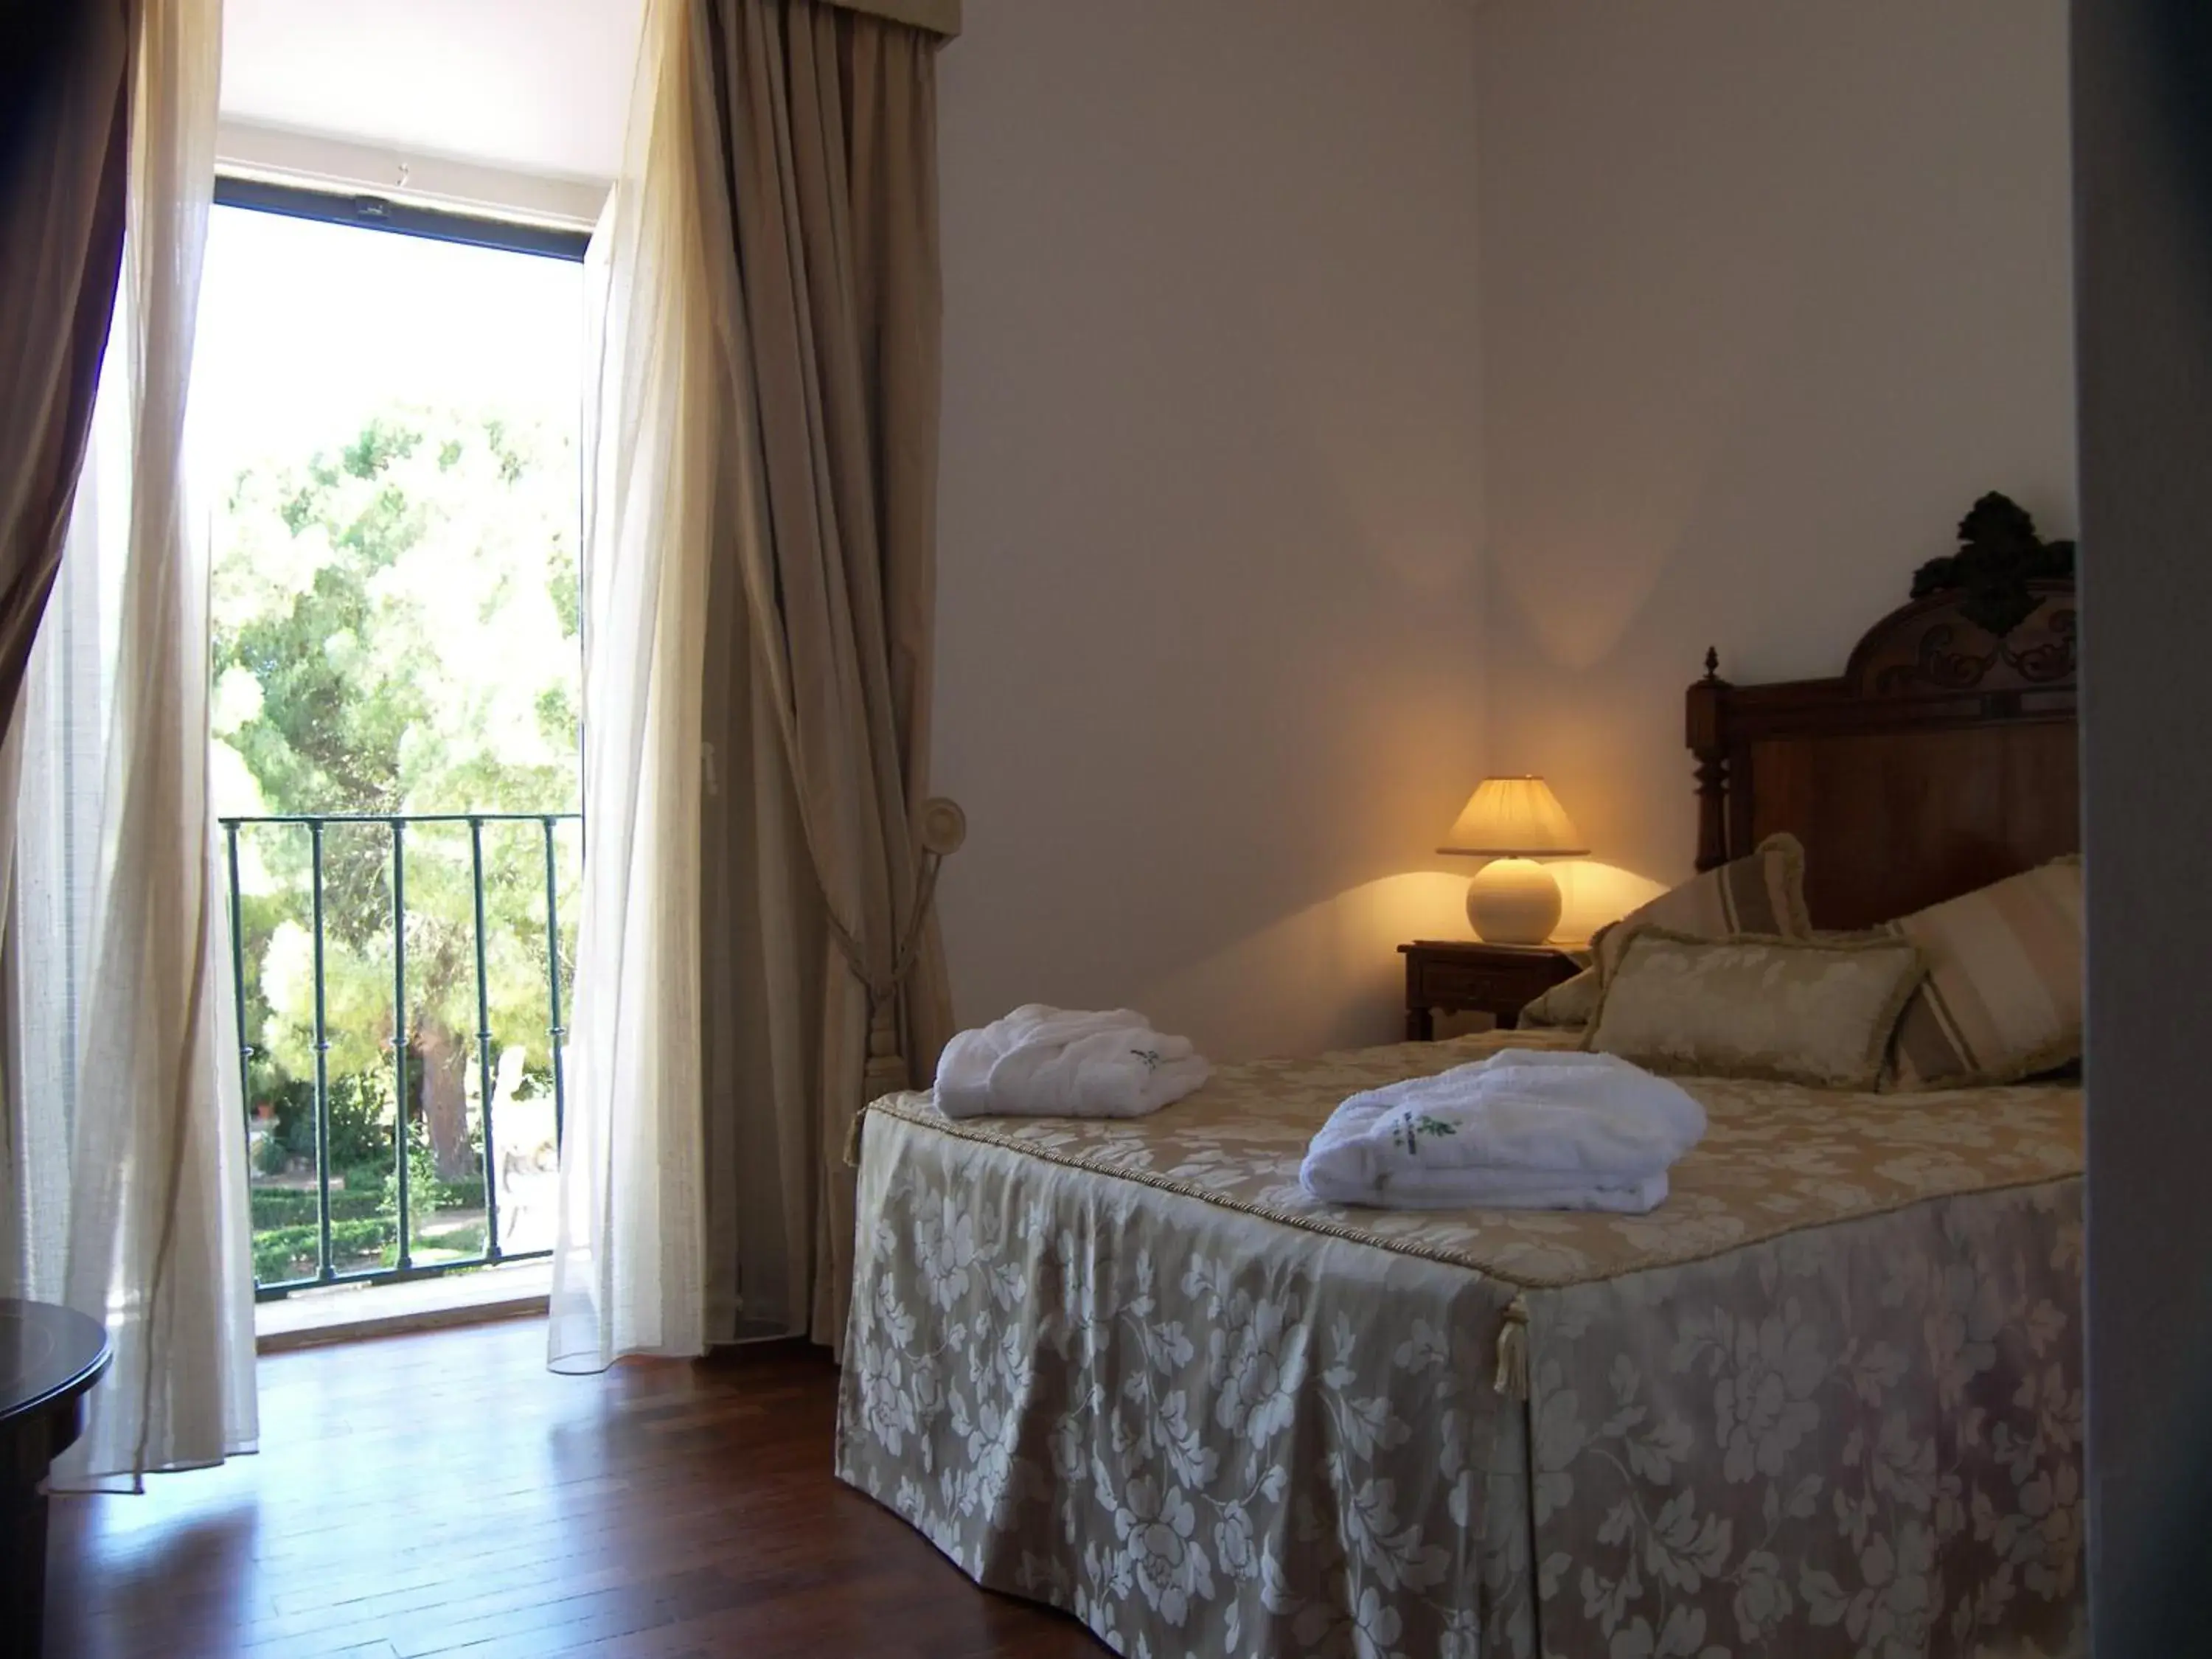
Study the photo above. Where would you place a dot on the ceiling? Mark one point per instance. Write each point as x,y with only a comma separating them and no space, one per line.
536,86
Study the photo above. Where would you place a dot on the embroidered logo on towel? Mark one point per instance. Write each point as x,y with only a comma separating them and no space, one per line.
1414,1125
1150,1057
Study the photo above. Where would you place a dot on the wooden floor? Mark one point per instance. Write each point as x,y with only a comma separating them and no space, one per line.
444,1494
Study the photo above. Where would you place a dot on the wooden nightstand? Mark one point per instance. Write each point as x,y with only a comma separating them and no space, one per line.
1464,975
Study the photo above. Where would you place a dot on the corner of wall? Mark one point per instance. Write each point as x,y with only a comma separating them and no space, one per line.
1744,357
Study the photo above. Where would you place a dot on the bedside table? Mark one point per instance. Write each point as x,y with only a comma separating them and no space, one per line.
1467,977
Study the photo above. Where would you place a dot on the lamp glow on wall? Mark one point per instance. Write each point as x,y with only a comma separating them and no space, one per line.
1513,822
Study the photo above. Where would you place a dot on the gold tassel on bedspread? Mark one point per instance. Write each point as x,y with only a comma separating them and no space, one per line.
1512,1378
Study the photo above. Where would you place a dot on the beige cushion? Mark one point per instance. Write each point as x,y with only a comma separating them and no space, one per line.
1762,892
1569,1004
2003,995
1798,1010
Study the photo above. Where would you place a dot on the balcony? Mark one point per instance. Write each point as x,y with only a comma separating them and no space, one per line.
400,980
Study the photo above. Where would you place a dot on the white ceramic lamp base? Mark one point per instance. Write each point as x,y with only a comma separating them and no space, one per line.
1513,902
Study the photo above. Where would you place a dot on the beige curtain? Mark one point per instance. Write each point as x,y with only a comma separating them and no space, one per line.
65,108
62,193
818,150
630,1250
128,1112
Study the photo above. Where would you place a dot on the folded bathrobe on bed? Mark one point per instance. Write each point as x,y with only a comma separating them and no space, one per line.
1058,1062
1525,1129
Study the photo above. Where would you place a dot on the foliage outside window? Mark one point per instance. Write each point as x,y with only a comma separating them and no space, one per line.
395,630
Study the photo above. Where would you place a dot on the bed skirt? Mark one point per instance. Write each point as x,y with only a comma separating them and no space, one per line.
1203,1431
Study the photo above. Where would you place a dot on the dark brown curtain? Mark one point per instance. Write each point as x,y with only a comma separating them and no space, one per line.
817,146
64,159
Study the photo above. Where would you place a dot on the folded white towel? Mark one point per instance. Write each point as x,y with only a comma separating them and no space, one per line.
1524,1129
1056,1062
1508,1189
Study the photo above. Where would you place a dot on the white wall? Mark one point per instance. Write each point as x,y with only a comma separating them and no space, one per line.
1770,294
1765,295
1209,676
541,86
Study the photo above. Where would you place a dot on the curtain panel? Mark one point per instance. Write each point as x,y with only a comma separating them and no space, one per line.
158,1232
65,106
630,1249
818,163
759,568
62,180
124,1108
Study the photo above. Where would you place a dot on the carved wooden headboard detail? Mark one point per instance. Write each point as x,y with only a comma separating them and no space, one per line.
1943,758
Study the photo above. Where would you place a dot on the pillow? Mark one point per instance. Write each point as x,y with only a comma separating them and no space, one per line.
1798,1010
1570,1003
1762,892
2004,996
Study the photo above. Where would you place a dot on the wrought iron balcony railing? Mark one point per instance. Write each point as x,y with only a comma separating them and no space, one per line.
332,889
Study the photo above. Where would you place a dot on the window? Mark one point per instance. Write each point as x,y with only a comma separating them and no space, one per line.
385,425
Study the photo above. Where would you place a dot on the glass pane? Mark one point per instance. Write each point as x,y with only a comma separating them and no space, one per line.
520,958
357,1027
446,1116
275,948
386,427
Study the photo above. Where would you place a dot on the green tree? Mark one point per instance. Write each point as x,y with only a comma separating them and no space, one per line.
395,630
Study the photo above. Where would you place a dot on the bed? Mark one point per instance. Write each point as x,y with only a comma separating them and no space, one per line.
1828,1398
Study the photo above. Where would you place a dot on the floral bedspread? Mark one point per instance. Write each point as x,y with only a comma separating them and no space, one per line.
1826,1399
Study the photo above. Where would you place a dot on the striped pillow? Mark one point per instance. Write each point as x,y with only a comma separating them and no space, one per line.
2002,999
1762,892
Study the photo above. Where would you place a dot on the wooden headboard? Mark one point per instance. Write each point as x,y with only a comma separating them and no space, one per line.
1942,759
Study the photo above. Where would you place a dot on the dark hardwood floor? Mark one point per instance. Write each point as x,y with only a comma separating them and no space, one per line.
444,1494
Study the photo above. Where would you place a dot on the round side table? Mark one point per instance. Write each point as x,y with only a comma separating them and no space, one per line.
50,1357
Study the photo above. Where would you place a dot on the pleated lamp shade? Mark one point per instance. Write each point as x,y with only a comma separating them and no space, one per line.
1514,818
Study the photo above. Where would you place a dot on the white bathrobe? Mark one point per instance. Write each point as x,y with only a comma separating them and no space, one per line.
1056,1062
1528,1129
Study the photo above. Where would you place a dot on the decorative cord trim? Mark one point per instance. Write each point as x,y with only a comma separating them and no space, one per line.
901,1106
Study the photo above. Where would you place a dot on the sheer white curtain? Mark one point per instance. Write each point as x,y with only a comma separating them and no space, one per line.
629,1263
126,1090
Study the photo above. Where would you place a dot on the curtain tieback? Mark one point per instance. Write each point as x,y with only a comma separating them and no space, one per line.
942,829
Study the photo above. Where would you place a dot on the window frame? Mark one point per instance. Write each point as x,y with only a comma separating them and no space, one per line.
366,212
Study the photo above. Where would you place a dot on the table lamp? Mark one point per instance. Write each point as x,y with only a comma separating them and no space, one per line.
1513,822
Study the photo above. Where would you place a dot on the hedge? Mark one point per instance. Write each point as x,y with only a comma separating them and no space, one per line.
288,1253
466,1194
295,1207
290,1206
285,1253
